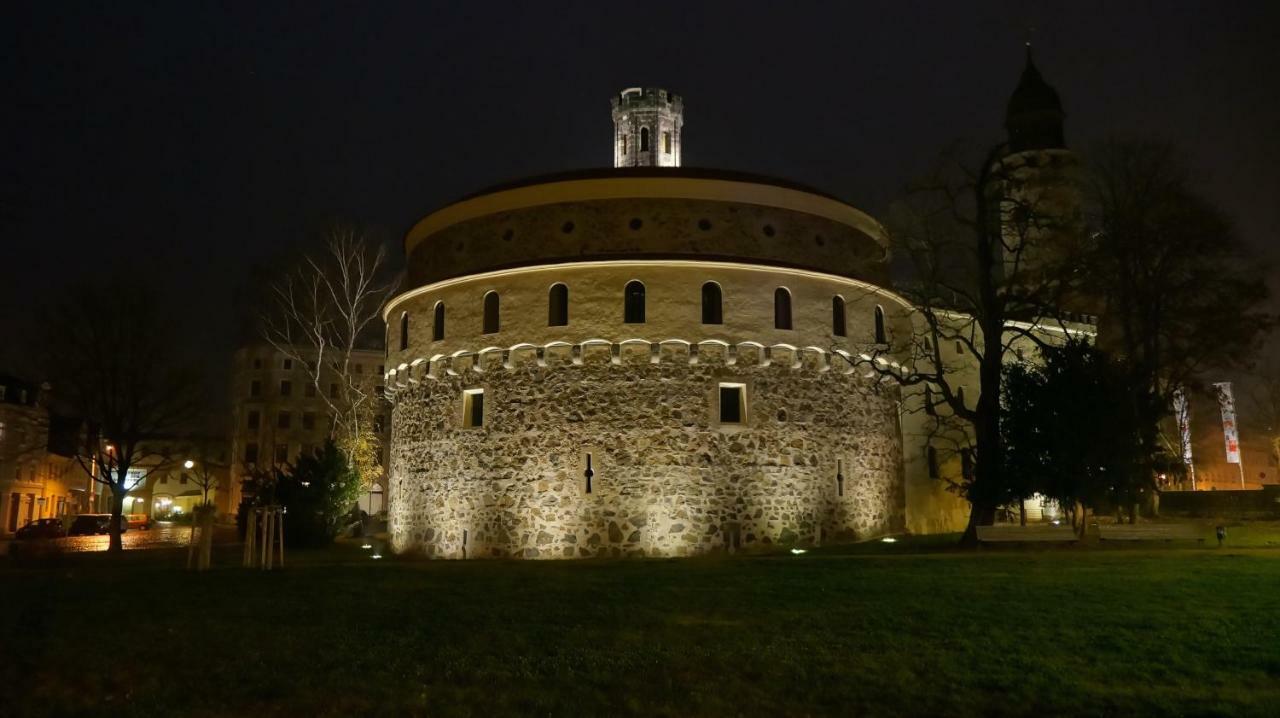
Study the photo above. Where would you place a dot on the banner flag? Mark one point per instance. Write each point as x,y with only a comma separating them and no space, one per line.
1230,433
1182,410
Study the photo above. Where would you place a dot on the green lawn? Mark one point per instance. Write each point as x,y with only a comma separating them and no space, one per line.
880,630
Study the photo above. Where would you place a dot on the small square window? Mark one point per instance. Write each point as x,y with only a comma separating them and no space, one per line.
308,421
282,453
733,403
255,388
253,419
310,391
250,453
283,420
333,391
257,363
288,364
286,388
473,408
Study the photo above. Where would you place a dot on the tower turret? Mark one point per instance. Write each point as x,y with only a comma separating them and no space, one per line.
1034,116
646,128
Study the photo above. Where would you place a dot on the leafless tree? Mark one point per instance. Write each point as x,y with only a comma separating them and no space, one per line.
326,310
116,355
982,247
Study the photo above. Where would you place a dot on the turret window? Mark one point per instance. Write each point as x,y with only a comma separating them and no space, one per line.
558,306
404,331
666,142
633,303
881,336
781,308
624,144
491,313
711,305
644,139
837,316
437,323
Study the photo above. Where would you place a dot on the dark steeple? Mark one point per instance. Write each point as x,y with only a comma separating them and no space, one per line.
1034,116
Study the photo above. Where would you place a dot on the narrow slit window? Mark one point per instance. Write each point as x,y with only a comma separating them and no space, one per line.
931,458
838,326
624,145
473,408
881,336
491,313
712,312
633,303
781,308
733,403
558,306
839,478
666,142
404,331
588,474
437,323
644,139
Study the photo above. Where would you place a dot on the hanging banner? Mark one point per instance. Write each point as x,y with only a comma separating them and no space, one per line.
1230,434
1182,410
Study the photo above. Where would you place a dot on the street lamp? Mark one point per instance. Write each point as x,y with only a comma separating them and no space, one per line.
188,464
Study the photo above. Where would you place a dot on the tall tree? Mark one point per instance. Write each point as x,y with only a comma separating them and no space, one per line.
326,310
1181,293
118,358
981,247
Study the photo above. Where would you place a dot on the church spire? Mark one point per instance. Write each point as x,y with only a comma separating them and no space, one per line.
1034,115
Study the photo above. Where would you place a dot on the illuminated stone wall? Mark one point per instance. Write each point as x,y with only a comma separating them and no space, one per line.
668,479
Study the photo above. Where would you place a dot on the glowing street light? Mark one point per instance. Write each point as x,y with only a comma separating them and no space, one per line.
188,464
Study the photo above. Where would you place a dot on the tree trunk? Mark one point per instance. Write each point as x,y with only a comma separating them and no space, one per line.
117,510
1022,512
1084,521
979,515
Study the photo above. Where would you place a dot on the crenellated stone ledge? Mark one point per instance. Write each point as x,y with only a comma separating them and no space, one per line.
707,352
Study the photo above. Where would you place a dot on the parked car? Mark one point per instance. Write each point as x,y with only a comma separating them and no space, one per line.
139,521
92,524
42,529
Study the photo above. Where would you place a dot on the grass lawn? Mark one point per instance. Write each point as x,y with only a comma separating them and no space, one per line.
880,630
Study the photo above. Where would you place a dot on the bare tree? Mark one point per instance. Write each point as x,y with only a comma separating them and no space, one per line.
983,248
1181,293
115,354
325,311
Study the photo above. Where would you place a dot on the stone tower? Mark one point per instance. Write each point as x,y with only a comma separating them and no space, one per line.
1037,178
646,128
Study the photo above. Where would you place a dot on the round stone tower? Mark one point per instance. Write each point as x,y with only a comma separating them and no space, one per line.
654,361
646,128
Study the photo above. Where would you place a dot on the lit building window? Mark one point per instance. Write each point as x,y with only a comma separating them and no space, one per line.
733,403
473,408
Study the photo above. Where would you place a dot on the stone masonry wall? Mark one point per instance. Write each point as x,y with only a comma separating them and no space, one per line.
668,479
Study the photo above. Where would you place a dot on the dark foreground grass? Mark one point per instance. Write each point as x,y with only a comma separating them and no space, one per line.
883,631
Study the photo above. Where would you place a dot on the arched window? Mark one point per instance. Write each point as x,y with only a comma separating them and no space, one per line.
644,139
491,313
404,331
881,337
633,303
558,306
781,308
711,309
437,323
837,316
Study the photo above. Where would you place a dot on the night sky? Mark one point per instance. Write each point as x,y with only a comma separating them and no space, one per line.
184,144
